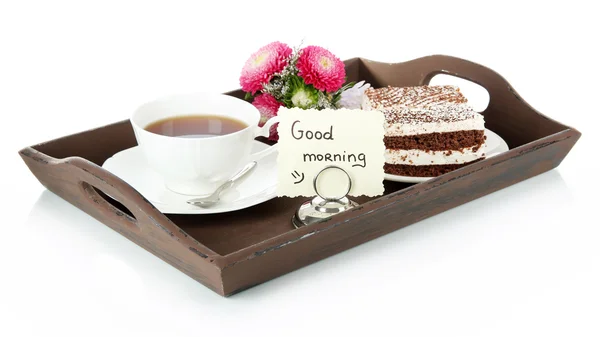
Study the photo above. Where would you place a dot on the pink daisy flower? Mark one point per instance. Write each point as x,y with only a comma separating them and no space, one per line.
261,66
322,69
268,107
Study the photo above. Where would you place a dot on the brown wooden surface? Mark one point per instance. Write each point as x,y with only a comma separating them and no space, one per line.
233,251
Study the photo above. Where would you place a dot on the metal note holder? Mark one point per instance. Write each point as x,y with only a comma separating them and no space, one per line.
321,207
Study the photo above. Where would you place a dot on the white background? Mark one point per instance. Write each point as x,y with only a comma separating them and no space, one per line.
524,261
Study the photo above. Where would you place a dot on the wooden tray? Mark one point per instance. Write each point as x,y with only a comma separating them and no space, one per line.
230,252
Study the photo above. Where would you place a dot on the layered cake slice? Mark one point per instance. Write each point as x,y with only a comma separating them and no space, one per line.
429,130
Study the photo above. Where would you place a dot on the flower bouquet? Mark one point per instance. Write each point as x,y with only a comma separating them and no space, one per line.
308,78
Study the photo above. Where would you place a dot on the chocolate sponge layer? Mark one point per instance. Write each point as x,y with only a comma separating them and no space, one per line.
436,141
422,170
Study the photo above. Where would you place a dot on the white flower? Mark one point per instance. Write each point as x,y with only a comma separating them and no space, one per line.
352,97
303,99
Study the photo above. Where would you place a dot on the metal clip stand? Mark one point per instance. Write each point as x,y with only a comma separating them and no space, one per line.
321,207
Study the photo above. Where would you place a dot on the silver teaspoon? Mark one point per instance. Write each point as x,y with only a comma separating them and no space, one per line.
212,199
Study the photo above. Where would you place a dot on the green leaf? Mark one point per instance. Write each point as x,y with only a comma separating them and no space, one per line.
347,86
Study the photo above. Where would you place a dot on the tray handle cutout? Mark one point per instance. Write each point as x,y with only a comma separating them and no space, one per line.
111,206
477,96
497,87
113,197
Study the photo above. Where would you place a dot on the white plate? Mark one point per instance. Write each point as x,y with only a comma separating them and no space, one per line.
256,188
494,146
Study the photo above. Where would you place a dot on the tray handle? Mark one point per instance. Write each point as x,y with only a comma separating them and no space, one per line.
507,113
146,217
86,184
420,72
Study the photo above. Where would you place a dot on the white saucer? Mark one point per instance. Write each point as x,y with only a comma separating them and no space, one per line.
256,188
494,144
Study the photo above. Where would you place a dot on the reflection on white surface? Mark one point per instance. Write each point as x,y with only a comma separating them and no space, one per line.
501,249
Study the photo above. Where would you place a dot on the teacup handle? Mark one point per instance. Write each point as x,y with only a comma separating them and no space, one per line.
264,132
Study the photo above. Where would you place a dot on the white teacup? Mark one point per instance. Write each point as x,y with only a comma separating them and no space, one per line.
196,166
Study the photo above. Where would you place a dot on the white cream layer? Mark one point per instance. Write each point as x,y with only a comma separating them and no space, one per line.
400,129
420,157
397,130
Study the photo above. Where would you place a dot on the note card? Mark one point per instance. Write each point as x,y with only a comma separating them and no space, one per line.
311,140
